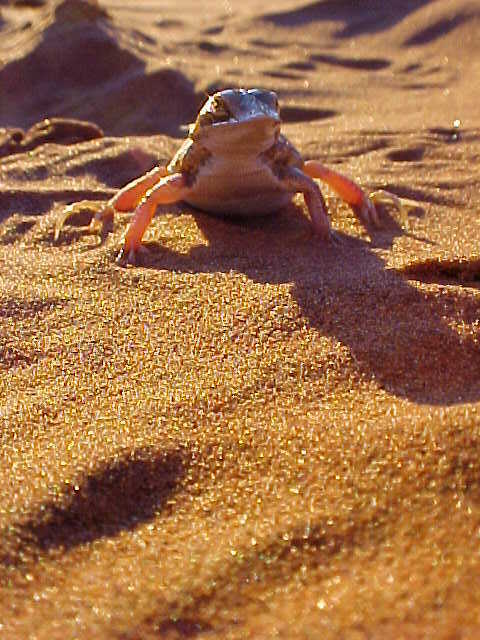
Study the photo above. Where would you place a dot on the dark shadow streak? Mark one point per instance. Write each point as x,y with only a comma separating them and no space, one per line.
19,309
242,583
366,64
369,16
396,333
30,201
314,542
118,497
439,29
116,171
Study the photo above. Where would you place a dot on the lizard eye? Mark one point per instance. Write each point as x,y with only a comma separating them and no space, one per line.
273,99
220,110
206,118
267,97
213,111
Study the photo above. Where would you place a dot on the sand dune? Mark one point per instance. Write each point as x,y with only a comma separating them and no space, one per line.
252,434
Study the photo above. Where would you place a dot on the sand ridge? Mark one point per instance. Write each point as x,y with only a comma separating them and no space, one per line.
252,435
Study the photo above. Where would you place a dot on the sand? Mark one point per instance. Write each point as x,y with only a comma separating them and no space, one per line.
253,434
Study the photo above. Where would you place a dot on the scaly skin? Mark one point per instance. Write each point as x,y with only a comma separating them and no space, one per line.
234,161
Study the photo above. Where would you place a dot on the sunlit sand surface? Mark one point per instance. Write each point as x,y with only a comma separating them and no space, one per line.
252,434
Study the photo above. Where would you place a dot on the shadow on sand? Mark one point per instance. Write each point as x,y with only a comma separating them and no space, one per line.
402,336
118,497
357,18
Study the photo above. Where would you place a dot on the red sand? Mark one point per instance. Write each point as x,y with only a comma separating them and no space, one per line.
254,435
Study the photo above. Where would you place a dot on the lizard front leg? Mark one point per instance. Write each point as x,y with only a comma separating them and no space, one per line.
348,190
125,199
168,190
296,181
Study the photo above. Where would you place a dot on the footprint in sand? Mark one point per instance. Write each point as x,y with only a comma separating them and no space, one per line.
462,272
366,64
305,114
411,154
